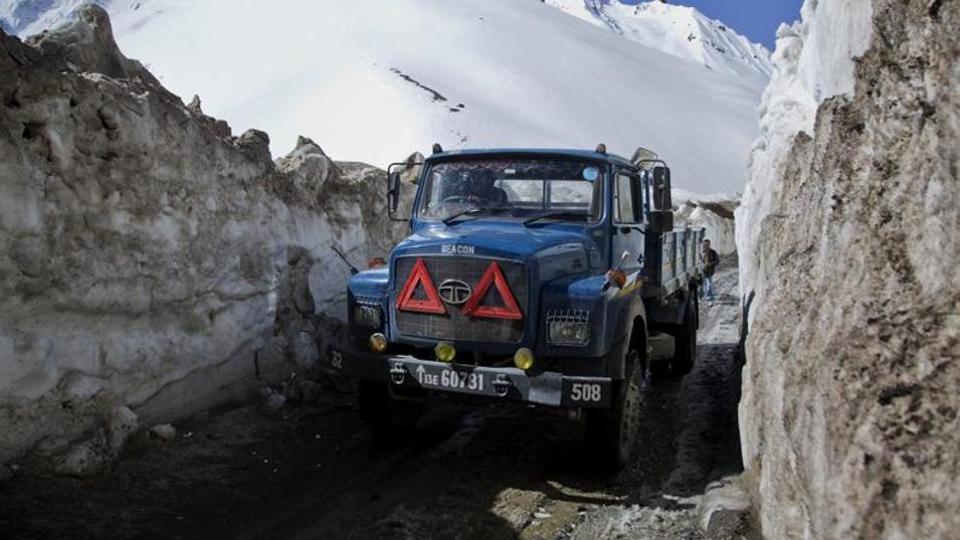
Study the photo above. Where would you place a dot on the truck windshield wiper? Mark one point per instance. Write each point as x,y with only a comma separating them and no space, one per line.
554,215
474,212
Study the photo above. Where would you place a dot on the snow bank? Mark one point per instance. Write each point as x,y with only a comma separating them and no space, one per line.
849,238
149,259
813,61
713,213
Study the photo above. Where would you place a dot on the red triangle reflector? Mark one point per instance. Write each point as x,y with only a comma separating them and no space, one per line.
493,277
420,276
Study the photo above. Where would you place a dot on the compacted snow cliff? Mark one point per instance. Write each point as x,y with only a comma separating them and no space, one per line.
849,237
713,214
715,217
151,262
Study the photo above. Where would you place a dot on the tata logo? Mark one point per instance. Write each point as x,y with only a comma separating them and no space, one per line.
457,249
454,292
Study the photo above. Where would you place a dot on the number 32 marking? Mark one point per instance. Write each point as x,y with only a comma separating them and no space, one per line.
336,359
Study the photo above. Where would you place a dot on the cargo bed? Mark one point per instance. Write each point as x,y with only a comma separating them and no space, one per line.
673,261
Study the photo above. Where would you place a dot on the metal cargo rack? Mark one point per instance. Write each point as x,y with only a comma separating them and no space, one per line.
673,261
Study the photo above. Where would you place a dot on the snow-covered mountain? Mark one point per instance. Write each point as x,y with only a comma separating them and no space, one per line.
373,80
26,17
678,30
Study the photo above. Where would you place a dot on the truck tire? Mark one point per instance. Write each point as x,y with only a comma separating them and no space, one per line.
685,353
386,416
661,369
612,434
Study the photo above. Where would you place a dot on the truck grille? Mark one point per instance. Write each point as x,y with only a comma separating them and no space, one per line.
454,325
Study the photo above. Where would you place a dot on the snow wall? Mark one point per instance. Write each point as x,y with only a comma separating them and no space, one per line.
849,237
148,258
714,215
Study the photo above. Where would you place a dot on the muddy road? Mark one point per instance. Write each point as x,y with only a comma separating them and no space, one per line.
310,470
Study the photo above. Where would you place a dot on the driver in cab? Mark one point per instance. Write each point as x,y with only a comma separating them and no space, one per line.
475,188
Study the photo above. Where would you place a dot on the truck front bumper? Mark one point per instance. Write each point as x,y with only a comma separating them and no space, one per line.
504,383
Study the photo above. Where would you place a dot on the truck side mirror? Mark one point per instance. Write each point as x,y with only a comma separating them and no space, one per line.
660,221
393,187
661,189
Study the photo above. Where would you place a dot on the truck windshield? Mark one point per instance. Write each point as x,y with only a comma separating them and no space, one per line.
513,189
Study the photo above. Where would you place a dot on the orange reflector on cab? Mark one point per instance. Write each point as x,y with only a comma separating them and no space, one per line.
493,277
617,277
419,276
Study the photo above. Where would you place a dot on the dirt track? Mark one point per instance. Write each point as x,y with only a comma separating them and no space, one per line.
312,471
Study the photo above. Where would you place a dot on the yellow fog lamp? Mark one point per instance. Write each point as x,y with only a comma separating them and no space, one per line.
378,342
445,352
523,358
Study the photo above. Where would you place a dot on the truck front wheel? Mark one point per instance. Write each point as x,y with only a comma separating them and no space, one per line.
611,434
386,415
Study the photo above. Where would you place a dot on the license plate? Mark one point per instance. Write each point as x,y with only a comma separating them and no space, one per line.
451,379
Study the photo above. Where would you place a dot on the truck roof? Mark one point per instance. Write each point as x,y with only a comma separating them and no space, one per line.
539,152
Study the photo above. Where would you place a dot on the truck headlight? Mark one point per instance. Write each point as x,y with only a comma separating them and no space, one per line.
366,315
568,328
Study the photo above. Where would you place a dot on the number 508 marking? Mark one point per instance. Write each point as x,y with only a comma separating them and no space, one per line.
585,392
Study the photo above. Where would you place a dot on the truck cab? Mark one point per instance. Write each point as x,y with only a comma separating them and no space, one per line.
552,277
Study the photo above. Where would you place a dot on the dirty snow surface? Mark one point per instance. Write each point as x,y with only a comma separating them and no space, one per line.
374,80
310,470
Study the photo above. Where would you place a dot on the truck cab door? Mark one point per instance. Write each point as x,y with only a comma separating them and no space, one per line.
628,211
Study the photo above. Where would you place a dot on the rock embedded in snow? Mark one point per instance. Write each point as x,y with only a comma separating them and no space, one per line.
724,508
147,257
79,387
194,105
308,166
304,350
122,424
87,458
849,238
164,432
256,144
275,402
413,166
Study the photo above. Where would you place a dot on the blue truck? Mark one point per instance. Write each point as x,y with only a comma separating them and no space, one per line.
551,277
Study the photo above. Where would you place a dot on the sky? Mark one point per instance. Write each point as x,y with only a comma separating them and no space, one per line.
756,19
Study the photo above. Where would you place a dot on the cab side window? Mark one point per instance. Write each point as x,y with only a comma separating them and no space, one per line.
626,204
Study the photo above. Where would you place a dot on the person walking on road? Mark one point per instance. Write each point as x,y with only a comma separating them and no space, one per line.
710,260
